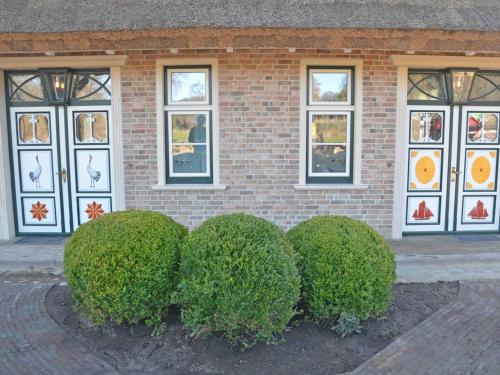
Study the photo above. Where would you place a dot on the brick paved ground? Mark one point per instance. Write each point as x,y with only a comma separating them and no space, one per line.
462,338
32,343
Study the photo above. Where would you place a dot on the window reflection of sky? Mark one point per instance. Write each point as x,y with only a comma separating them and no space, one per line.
333,82
188,86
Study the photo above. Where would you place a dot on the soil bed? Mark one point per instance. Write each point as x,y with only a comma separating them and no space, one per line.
308,349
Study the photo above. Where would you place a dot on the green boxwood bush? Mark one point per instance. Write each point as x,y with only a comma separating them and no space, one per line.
123,266
346,267
238,277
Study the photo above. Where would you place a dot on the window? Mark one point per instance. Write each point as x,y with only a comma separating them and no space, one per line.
330,124
188,124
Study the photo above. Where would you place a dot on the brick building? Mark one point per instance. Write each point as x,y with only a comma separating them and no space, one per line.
384,111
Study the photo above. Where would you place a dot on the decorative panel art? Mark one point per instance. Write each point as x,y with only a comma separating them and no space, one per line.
425,169
480,169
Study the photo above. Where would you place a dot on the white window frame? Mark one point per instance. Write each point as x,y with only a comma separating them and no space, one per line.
171,144
161,110
347,144
357,123
311,102
170,102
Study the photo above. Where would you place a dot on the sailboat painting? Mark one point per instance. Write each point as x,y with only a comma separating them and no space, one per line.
478,209
423,210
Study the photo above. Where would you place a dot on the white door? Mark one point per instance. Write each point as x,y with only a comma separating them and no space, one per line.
90,159
36,164
427,161
477,170
61,166
452,169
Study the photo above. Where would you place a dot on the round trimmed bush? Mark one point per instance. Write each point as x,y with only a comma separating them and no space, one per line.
238,277
346,267
123,266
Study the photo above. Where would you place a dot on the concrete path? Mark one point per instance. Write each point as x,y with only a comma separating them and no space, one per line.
32,343
461,338
419,259
15,257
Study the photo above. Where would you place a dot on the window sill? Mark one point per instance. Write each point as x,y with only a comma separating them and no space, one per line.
331,187
189,187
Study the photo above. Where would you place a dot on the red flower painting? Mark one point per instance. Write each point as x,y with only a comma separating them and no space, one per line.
94,210
39,211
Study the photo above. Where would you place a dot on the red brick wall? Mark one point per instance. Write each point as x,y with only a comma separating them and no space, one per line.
259,140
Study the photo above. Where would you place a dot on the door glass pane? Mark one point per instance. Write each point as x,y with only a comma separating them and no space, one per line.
329,159
189,158
329,86
25,88
482,127
91,86
188,86
329,128
33,128
426,127
427,86
485,88
91,127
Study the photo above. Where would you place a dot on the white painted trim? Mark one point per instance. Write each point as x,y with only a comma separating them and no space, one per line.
189,187
330,187
160,120
398,207
358,114
434,62
116,111
35,62
7,226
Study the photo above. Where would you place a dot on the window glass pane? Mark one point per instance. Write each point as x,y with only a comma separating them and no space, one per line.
25,88
485,88
426,127
188,87
329,128
329,159
189,128
189,158
329,86
91,86
426,86
482,128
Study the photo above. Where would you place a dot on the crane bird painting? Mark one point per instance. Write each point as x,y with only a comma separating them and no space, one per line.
93,174
35,174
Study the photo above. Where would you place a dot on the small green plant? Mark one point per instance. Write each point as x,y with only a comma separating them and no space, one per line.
123,266
346,267
346,325
238,277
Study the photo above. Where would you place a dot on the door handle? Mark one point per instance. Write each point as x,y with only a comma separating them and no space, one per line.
63,174
454,173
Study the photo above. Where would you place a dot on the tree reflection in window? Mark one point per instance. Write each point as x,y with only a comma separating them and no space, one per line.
486,88
26,87
427,86
91,86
